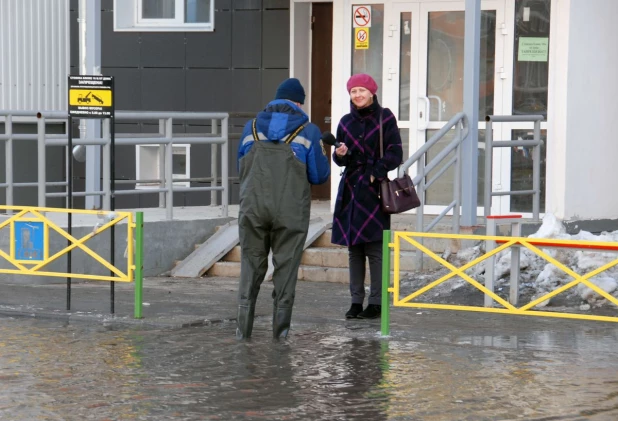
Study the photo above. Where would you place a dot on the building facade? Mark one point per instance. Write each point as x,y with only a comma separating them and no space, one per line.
550,57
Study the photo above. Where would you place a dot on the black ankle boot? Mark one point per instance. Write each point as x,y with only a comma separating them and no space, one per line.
354,311
371,312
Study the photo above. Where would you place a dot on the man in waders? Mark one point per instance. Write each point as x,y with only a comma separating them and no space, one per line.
280,155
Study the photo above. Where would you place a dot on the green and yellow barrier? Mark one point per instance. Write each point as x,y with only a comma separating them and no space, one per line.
28,254
532,244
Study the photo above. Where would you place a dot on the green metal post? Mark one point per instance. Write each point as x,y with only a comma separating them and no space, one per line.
386,281
139,263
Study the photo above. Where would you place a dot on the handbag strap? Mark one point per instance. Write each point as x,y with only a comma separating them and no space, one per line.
381,137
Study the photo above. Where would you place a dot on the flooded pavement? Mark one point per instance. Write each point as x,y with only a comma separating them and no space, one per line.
53,370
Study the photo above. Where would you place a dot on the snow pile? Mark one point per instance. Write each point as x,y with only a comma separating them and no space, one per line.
543,277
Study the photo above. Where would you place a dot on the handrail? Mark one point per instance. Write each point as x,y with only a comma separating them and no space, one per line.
536,159
460,122
164,139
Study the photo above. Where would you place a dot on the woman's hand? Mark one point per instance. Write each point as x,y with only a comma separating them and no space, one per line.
341,150
371,178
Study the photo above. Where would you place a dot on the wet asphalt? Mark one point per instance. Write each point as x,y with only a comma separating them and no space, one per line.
183,362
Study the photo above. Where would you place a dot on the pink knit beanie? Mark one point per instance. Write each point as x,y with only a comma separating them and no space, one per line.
364,81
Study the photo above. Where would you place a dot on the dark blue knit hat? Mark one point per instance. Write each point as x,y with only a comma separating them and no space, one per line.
291,89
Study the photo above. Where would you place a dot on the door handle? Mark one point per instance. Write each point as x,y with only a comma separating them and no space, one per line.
326,120
424,115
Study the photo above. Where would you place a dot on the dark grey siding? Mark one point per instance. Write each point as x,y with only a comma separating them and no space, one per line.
236,68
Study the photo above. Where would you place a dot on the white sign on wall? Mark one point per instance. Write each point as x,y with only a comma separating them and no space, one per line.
361,16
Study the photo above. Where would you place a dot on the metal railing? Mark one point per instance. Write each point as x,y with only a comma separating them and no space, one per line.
165,139
460,122
535,144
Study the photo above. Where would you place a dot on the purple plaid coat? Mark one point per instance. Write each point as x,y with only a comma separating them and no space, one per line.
358,218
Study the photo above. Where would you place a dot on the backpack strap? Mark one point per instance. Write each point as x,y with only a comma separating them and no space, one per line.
254,130
294,134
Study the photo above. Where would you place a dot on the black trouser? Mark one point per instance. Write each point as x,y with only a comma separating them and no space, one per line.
357,255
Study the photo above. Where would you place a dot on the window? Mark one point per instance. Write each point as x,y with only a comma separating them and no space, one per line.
148,161
164,15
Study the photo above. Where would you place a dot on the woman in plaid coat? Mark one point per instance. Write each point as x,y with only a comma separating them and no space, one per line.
358,220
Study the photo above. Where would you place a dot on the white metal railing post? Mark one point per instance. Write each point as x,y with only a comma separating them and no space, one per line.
161,164
169,171
107,195
489,157
536,171
225,182
41,172
214,152
8,151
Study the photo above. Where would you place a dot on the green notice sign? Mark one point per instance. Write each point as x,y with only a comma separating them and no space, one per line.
533,49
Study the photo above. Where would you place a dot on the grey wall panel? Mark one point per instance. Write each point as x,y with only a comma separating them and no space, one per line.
270,80
222,5
209,90
276,39
118,49
247,4
163,90
107,4
247,91
212,49
276,4
162,49
127,87
247,40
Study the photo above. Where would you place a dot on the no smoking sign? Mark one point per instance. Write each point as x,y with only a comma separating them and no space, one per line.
361,38
361,16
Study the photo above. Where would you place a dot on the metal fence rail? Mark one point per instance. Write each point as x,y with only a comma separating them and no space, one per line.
392,241
165,139
535,144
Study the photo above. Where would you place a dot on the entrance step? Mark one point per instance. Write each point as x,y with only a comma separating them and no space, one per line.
332,257
323,261
305,273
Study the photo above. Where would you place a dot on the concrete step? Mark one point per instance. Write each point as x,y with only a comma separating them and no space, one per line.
335,257
314,265
434,244
305,273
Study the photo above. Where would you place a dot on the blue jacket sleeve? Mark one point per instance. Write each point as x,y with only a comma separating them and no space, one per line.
244,147
318,164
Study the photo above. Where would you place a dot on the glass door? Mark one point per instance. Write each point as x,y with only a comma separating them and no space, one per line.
428,41
442,31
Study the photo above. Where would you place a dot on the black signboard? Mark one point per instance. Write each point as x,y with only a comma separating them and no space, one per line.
91,96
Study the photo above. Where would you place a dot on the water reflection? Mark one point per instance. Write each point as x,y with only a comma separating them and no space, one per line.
50,371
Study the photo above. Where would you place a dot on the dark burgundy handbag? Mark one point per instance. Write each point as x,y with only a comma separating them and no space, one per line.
398,195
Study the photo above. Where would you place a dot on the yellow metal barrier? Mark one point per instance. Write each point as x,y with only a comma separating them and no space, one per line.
532,244
29,249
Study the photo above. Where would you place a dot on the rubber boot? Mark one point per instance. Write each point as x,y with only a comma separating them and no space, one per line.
282,318
244,321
